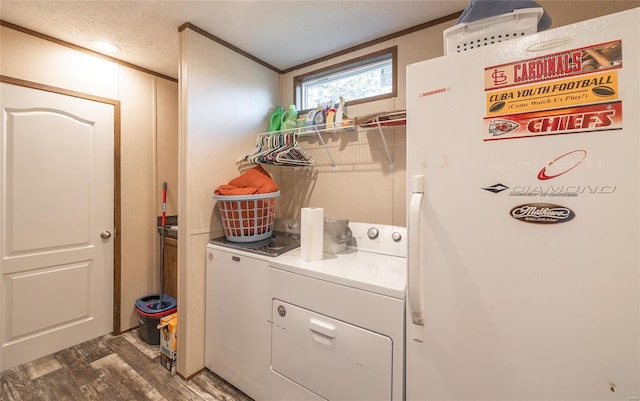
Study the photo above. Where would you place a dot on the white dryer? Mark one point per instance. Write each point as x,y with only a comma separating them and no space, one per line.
337,325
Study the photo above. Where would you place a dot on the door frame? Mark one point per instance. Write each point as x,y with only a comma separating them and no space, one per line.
117,267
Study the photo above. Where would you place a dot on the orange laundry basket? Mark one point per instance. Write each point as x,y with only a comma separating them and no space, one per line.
247,218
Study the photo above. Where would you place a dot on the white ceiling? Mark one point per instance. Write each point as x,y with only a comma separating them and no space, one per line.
281,33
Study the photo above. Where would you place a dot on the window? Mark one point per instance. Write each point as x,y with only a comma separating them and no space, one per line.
371,77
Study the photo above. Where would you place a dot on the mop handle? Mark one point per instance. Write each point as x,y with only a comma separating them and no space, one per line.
164,204
164,221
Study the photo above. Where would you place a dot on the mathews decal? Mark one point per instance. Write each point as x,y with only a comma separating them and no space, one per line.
542,213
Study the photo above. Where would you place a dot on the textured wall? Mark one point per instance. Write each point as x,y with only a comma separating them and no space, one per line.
225,99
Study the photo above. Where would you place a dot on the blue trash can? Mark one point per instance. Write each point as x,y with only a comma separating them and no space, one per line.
150,310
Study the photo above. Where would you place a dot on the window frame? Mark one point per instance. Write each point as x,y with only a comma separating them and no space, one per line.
344,66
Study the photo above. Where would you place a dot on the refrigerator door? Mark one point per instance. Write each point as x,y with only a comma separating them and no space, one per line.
528,246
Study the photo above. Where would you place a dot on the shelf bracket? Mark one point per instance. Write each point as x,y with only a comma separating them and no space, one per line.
384,142
324,145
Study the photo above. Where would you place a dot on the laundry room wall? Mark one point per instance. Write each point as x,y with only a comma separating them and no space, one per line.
148,123
569,12
364,185
224,99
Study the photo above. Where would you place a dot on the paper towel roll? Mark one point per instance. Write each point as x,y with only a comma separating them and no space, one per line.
311,233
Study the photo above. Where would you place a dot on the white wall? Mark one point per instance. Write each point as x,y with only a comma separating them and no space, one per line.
33,59
225,99
166,144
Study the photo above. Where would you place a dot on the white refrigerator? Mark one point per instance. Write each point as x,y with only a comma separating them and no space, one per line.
523,183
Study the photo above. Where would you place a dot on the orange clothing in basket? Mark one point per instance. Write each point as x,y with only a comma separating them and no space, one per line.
254,216
252,181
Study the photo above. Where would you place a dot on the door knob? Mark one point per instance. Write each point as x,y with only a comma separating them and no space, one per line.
105,235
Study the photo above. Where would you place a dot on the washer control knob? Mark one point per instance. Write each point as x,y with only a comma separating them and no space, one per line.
396,236
372,233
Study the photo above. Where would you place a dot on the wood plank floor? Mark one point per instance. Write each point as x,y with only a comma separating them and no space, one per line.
110,368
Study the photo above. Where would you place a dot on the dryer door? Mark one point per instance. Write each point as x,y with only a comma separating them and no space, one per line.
331,358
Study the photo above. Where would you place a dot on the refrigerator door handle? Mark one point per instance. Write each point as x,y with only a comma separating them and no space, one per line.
414,294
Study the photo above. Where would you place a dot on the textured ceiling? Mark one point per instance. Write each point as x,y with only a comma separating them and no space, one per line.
281,33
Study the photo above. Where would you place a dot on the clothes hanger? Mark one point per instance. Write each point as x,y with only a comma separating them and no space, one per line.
294,155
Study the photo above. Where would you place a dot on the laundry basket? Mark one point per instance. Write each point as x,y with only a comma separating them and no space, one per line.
247,218
487,31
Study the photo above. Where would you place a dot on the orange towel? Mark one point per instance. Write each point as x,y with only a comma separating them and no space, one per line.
252,181
227,189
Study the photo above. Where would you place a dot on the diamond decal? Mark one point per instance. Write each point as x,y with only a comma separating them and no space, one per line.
496,188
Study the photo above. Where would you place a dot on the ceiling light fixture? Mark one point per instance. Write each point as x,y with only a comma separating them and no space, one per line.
105,46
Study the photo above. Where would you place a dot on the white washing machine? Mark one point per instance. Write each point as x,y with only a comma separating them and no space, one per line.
337,325
238,315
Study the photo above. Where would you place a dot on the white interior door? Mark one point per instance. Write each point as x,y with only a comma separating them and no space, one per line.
57,176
